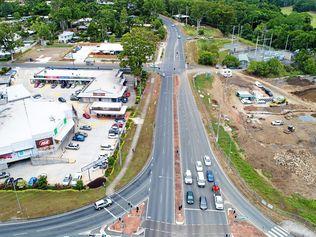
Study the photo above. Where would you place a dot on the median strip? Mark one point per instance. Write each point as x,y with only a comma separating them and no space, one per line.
179,211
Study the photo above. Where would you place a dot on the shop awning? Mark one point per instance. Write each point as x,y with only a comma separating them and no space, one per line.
61,134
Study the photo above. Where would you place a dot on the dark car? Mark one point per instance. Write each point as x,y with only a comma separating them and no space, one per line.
68,85
61,99
209,176
63,85
203,203
190,197
4,175
37,96
74,98
82,134
86,115
54,85
78,138
124,100
85,128
120,119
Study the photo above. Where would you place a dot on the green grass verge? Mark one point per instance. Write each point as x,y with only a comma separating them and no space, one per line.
200,83
38,203
208,31
295,204
287,10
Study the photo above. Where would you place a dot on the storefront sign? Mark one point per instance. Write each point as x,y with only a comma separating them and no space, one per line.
98,94
46,142
6,156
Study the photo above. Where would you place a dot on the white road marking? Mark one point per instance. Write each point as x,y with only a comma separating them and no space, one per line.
279,228
271,234
278,232
24,233
121,207
110,213
198,209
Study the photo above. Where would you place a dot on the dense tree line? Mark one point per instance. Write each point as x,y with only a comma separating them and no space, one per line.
305,5
251,19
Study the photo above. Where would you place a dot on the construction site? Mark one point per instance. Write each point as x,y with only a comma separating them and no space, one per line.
277,138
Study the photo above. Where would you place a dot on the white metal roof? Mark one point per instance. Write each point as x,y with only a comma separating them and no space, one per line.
106,105
108,47
17,92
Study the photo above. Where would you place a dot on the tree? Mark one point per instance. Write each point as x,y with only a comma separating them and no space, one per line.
208,58
43,31
106,21
79,185
198,11
138,46
231,61
153,7
8,39
124,21
42,182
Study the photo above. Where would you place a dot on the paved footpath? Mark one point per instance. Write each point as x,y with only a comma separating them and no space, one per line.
139,125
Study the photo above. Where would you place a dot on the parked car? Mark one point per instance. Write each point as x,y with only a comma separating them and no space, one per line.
85,127
75,178
209,176
103,203
107,147
61,99
36,84
73,85
246,101
112,136
78,138
258,84
77,92
127,94
188,177
9,181
74,98
67,180
190,197
218,200
207,160
72,146
203,203
4,175
37,96
53,85
41,85
20,183
120,124
68,85
32,181
82,133
198,166
277,123
120,119
124,100
86,115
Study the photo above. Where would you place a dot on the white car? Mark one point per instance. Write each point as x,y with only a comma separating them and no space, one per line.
219,203
76,177
107,147
207,160
112,136
246,101
199,166
67,180
277,123
103,203
188,177
258,84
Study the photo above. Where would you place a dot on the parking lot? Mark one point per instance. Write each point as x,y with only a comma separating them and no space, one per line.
89,149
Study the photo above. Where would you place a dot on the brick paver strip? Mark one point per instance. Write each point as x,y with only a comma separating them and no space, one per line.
177,165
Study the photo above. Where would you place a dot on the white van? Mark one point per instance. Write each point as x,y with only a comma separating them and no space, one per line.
226,72
103,203
200,179
188,177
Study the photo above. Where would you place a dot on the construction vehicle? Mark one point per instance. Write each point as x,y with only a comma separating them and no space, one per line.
290,129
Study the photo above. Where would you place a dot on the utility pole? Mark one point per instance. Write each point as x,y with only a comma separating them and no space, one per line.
287,40
233,35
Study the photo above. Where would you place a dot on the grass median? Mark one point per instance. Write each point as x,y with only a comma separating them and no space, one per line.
144,145
294,205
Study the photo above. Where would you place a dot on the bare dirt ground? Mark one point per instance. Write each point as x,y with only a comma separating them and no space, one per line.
242,228
42,54
286,160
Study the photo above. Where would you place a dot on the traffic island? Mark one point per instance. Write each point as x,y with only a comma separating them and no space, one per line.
179,211
241,227
130,223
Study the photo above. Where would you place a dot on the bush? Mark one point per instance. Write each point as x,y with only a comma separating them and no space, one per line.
231,61
79,185
98,182
273,67
42,182
208,58
200,32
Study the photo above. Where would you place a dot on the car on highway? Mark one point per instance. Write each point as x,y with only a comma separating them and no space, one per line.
179,36
190,197
200,179
207,160
66,180
72,146
86,115
85,127
75,178
61,99
198,166
78,138
103,203
173,25
188,177
203,203
209,176
277,123
4,175
32,181
218,200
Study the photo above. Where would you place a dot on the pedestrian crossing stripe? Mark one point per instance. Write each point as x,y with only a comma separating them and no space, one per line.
277,231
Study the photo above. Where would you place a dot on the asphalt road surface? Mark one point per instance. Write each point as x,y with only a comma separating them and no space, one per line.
156,180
